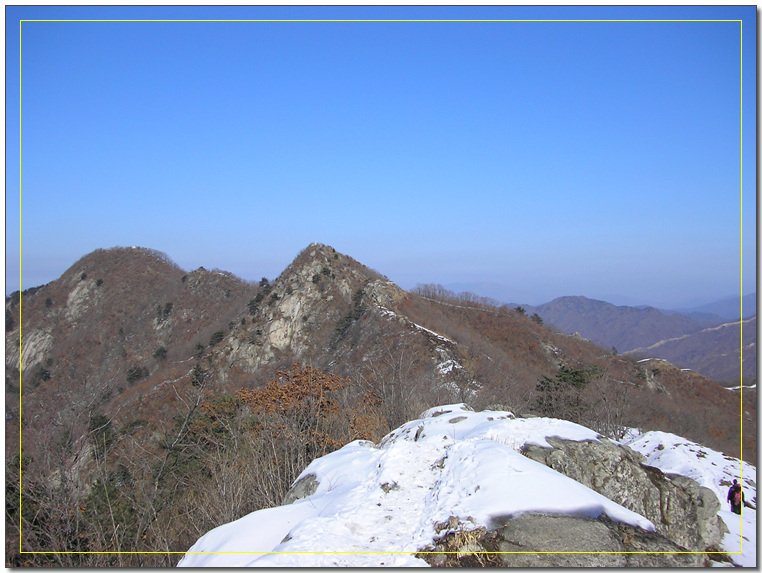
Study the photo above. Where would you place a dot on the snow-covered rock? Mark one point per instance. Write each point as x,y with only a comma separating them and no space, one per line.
451,472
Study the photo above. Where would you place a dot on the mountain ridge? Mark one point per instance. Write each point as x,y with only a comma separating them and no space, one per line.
624,327
724,308
729,308
146,370
713,351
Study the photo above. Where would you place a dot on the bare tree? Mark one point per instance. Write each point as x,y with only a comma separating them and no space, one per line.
393,374
606,403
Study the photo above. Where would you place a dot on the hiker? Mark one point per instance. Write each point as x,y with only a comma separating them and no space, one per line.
735,497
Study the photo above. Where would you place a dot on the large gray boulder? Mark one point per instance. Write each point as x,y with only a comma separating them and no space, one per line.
681,509
542,540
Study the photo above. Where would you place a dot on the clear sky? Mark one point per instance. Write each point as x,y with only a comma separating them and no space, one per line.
614,160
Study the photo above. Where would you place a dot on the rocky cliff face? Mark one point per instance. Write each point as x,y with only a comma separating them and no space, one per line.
299,314
305,315
669,501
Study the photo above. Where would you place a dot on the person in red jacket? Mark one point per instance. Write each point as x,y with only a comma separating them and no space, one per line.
735,497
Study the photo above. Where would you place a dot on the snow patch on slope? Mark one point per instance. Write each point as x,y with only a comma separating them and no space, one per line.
716,471
434,334
448,366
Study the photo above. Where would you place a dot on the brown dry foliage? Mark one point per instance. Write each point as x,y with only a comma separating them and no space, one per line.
302,387
299,403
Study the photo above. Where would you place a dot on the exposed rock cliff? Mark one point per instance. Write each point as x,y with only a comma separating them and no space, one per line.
681,509
302,315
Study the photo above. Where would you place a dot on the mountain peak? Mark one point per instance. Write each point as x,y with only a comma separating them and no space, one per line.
123,260
308,307
318,260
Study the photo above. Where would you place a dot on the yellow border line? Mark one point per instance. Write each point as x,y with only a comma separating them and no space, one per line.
373,552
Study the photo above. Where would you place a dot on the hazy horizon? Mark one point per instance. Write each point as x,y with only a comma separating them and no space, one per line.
502,293
549,158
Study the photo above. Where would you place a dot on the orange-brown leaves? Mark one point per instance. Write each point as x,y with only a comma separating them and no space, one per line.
300,406
301,387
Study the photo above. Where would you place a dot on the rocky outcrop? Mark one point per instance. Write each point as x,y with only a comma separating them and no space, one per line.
298,315
542,540
305,313
302,488
384,293
35,345
681,509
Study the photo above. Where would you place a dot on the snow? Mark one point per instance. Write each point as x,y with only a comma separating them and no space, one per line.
378,505
752,387
447,366
439,336
390,314
716,471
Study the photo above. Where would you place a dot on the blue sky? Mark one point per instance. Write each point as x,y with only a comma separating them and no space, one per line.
528,160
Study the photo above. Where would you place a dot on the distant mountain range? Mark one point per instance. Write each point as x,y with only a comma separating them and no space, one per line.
623,327
729,308
702,338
